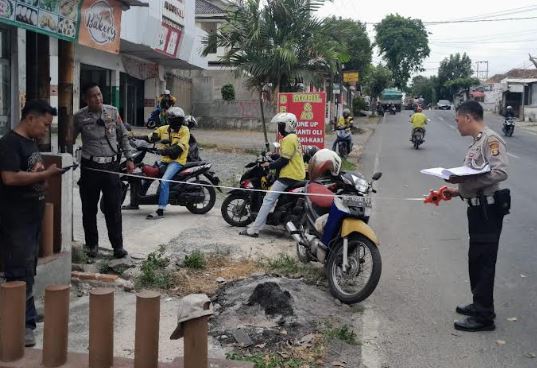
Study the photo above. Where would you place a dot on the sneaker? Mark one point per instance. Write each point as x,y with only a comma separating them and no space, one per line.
120,253
159,214
29,338
251,235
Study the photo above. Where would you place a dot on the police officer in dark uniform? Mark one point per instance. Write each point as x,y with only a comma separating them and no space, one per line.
104,140
487,205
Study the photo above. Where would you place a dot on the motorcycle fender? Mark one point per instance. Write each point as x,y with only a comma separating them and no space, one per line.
350,226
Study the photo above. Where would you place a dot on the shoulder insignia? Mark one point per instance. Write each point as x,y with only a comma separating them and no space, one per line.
494,147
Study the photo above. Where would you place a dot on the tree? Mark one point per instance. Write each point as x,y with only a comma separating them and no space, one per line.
454,74
351,35
377,79
276,47
403,43
425,87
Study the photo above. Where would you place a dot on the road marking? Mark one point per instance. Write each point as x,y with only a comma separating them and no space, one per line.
512,155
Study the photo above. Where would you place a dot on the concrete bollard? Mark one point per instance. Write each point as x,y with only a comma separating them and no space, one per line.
55,334
12,320
147,329
101,328
196,343
47,231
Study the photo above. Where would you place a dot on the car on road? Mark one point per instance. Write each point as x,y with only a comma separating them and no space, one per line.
443,105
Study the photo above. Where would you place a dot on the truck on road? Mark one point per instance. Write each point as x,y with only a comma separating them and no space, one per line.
391,96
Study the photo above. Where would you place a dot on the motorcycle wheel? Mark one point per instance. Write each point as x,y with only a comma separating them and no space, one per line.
342,150
151,124
360,248
234,203
510,132
208,203
416,144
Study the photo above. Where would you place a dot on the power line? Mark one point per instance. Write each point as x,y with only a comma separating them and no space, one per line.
435,23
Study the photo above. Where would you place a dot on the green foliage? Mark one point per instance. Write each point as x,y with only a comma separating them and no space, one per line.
346,165
377,79
153,272
404,44
270,360
454,74
343,333
289,266
427,87
358,104
196,260
228,92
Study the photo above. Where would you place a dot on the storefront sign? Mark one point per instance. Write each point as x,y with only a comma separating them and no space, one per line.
169,40
351,77
100,26
174,10
138,69
309,109
56,18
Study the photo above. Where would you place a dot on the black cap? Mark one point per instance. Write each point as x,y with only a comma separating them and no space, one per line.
39,107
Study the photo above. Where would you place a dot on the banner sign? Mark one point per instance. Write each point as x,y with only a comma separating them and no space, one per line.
169,40
309,109
100,26
56,18
174,10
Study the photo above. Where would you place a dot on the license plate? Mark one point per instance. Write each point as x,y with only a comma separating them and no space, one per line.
357,201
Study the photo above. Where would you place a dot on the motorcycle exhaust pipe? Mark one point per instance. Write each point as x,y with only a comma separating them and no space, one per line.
293,231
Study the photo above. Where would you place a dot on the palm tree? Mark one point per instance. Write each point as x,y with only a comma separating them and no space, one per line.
276,47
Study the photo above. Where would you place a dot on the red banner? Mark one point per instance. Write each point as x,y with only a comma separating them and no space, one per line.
309,109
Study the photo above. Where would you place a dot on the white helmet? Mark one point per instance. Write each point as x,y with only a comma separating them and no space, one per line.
191,122
285,118
322,163
166,92
509,107
346,112
176,117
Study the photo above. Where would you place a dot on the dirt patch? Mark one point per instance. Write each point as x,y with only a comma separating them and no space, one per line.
272,298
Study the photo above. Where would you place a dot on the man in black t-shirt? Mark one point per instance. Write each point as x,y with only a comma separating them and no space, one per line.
22,184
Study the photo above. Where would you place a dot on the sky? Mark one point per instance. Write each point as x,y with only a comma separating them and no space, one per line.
504,44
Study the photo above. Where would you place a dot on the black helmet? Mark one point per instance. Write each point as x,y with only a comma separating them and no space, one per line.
309,151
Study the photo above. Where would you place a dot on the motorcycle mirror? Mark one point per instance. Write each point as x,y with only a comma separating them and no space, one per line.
377,176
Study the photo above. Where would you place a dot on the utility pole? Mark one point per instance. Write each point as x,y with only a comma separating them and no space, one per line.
65,95
482,73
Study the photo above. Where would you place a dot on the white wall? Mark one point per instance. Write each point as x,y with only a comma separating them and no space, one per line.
191,44
141,25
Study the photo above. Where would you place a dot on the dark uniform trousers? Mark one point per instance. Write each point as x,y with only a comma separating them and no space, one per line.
91,184
20,232
484,233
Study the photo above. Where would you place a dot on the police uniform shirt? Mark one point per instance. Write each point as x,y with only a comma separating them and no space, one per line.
488,148
98,140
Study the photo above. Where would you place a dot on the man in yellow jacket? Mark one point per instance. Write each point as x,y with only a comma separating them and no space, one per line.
174,153
418,121
290,169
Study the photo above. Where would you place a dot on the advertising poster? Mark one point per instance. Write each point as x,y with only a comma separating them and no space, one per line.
100,25
309,109
56,18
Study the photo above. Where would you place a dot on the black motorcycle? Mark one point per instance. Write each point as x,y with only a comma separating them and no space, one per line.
241,205
418,136
196,194
508,126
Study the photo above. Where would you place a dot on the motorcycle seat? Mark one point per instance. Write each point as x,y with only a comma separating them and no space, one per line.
298,184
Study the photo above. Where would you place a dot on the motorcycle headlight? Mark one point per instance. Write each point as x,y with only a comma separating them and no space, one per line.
360,184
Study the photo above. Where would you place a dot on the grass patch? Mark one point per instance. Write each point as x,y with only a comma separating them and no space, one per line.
196,260
79,255
270,360
347,165
153,272
343,333
289,266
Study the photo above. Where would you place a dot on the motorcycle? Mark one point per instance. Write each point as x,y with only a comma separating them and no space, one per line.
393,110
241,206
343,142
417,139
198,199
334,231
508,127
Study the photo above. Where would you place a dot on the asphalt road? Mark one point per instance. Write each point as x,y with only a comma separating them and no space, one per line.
408,321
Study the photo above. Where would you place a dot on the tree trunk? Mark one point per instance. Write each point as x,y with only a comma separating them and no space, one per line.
267,146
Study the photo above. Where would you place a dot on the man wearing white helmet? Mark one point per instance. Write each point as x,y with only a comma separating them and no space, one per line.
290,169
509,113
174,153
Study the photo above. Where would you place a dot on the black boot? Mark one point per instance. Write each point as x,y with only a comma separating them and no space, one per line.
473,324
120,253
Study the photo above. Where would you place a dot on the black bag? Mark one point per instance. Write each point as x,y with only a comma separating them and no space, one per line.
502,198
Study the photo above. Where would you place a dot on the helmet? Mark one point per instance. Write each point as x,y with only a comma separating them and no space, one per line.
286,122
324,162
166,92
191,122
509,108
176,117
309,151
346,112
